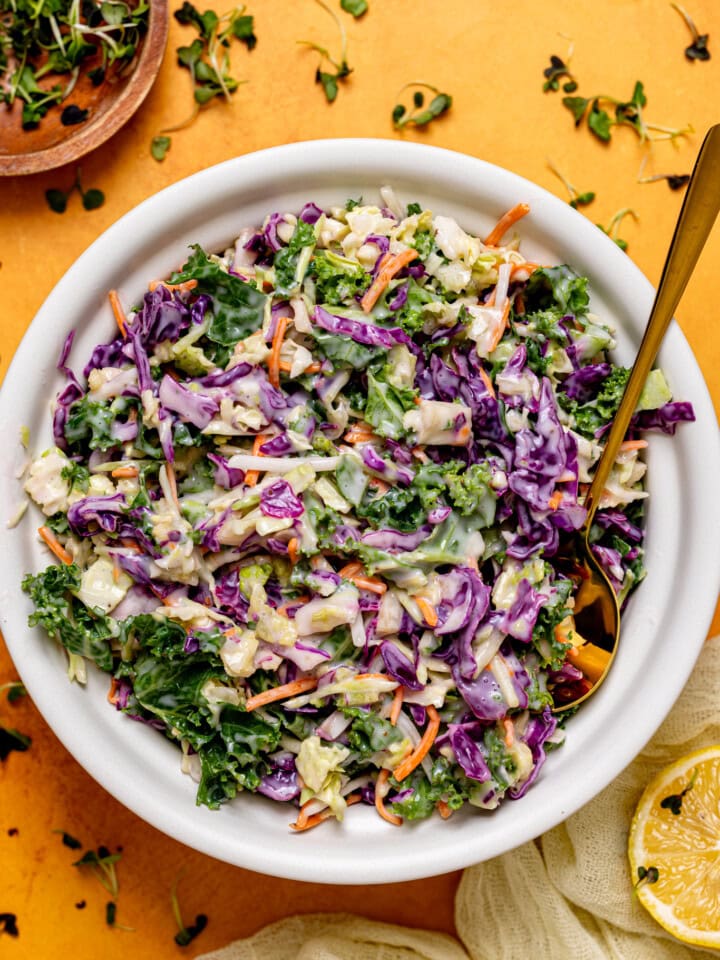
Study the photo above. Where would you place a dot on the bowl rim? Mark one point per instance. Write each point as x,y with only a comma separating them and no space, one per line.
369,159
88,136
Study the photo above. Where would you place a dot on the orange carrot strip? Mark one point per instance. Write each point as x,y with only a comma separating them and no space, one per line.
500,330
555,500
509,737
293,550
359,434
172,482
519,305
283,610
112,692
505,222
389,266
286,367
252,476
369,583
397,704
488,383
443,809
377,484
123,472
530,267
183,287
371,676
380,800
130,545
118,311
274,359
54,544
416,757
350,569
627,445
282,692
307,823
427,610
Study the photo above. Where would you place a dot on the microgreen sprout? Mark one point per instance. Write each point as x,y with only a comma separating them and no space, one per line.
420,115
185,934
613,227
102,864
558,70
207,59
577,199
592,110
674,801
57,199
698,48
328,79
645,875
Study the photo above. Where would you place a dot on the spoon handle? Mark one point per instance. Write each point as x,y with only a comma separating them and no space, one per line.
697,216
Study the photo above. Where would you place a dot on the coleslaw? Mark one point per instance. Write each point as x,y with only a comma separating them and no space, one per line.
309,505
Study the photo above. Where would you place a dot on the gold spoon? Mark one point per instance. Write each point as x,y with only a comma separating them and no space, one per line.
597,615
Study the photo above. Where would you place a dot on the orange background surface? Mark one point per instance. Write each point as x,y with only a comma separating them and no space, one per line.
490,57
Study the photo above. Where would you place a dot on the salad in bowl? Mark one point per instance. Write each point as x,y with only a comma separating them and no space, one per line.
308,508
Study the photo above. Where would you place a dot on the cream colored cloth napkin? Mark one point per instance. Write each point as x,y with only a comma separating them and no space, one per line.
566,896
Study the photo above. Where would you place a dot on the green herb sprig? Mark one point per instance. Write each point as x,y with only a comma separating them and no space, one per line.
101,864
57,199
207,59
185,934
557,71
674,801
698,48
326,78
613,226
420,114
577,199
592,111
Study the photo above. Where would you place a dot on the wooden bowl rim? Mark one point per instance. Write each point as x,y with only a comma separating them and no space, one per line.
88,137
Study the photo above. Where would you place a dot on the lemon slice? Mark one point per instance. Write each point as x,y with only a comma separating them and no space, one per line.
674,846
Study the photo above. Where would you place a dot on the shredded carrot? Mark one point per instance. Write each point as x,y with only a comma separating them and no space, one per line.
116,570
54,544
286,367
519,305
118,311
125,472
505,222
293,550
112,692
377,484
183,287
252,476
274,359
130,545
509,737
397,704
359,433
297,602
372,676
463,434
555,500
443,809
382,779
307,823
627,445
282,692
373,584
427,610
500,329
488,383
428,738
350,569
389,266
172,483
530,267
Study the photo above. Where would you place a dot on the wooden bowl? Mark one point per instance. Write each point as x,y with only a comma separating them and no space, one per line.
111,105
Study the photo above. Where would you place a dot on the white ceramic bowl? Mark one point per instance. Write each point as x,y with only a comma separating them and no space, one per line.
662,632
